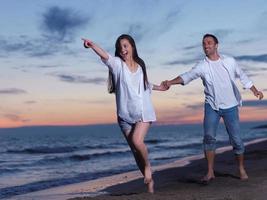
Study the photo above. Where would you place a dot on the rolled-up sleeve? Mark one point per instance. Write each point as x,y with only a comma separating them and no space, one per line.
150,86
113,63
193,74
244,79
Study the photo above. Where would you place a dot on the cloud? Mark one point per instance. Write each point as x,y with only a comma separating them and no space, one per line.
33,47
262,24
221,33
137,31
195,107
249,103
181,62
153,26
245,41
30,102
80,79
254,58
84,101
255,103
47,66
192,47
19,44
168,21
12,91
190,61
172,16
59,28
62,23
15,118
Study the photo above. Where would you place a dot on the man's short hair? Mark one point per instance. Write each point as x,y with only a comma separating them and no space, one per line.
213,37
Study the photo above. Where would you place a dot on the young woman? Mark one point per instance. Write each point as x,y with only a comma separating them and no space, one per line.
135,112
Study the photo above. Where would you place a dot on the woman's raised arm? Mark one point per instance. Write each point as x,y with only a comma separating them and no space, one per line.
99,51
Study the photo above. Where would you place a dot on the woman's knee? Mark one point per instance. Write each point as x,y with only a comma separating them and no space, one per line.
138,143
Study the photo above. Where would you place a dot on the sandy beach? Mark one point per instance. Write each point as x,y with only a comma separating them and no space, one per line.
177,180
183,182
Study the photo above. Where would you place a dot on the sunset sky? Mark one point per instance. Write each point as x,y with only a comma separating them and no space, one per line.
48,78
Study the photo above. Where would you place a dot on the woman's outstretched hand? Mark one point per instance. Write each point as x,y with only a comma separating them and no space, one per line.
100,52
87,43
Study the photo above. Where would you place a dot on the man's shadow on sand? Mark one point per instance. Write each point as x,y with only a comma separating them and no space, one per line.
197,180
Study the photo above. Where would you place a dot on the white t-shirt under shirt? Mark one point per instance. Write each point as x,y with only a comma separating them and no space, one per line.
136,79
133,102
223,88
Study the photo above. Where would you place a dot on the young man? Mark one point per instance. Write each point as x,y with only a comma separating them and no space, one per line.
222,98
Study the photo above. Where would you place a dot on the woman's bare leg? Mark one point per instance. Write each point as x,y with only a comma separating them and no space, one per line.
137,157
138,137
135,139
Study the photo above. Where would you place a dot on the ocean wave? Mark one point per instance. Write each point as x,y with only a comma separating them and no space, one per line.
178,146
79,157
60,149
82,157
155,141
43,150
9,170
167,157
105,146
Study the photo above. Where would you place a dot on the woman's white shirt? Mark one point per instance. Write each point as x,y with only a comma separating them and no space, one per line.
133,102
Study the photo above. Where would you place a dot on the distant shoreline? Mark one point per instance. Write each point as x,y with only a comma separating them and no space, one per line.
115,124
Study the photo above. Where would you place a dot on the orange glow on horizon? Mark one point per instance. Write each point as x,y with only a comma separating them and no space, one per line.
92,118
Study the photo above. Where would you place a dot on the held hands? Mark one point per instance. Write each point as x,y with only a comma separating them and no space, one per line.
163,86
166,84
87,43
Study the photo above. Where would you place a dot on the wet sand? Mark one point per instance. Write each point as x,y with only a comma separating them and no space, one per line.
183,182
175,181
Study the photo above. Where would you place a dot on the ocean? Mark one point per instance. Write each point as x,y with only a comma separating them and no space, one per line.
37,158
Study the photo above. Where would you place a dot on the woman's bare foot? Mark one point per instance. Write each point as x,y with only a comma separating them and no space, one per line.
147,175
150,187
207,179
148,179
243,174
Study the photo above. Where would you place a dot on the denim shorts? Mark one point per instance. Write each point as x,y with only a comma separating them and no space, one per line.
231,122
126,127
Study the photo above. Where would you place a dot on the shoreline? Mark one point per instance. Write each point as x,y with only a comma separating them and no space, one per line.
119,184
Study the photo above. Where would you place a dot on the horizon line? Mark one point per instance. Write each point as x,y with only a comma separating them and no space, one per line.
115,123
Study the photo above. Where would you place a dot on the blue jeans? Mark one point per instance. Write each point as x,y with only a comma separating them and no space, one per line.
231,121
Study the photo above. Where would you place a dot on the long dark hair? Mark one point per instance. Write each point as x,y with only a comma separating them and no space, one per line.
111,83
